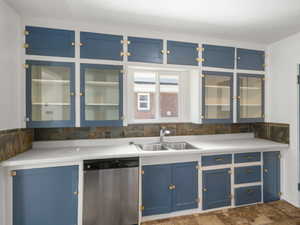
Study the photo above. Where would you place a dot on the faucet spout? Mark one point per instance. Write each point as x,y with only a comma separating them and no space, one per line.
163,132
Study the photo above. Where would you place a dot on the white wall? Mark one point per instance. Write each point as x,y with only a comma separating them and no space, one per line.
10,82
10,65
282,105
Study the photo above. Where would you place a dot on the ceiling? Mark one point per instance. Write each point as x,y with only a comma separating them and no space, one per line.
260,21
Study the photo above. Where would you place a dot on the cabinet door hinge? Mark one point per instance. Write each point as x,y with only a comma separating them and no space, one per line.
142,172
26,45
229,172
125,42
231,196
200,49
26,32
197,200
142,208
26,66
13,173
279,194
200,59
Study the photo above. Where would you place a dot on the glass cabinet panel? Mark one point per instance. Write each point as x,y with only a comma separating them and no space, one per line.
101,94
50,93
217,97
250,97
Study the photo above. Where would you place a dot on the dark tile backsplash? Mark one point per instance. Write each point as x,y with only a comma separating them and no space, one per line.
13,142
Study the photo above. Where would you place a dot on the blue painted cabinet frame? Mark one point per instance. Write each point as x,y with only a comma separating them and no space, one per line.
182,53
258,119
101,46
45,196
50,42
216,188
91,123
271,176
218,56
221,74
145,50
54,123
169,187
248,59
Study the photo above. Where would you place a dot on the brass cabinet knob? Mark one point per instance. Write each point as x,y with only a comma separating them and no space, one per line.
170,187
162,51
204,189
81,94
265,170
168,52
73,43
72,94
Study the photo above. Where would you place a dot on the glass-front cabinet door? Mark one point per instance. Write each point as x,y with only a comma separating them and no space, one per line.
217,97
250,97
50,93
101,95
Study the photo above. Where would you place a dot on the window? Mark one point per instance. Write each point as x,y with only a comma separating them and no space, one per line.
143,101
155,96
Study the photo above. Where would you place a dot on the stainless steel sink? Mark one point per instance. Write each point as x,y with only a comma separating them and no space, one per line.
153,147
166,146
179,145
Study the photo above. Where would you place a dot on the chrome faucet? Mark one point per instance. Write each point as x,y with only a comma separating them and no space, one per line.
162,133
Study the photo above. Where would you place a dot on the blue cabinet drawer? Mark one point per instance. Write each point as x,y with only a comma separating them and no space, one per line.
247,174
212,160
247,157
247,195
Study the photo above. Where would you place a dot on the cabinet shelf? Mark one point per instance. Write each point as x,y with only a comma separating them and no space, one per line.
102,83
51,104
51,81
217,86
217,104
250,88
102,104
251,105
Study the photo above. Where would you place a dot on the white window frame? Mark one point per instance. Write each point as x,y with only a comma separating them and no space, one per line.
183,94
148,101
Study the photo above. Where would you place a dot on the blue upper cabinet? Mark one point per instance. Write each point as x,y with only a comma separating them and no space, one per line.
185,180
156,189
50,94
271,176
49,42
45,196
182,53
101,95
218,56
250,59
145,50
101,46
216,188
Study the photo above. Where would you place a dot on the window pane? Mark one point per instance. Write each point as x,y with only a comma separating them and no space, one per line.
217,97
144,86
101,94
50,93
250,97
168,97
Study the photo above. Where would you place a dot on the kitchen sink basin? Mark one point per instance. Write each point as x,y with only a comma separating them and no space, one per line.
153,147
180,146
166,146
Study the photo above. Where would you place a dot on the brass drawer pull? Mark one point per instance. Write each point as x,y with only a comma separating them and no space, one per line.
219,159
249,157
249,171
250,191
172,187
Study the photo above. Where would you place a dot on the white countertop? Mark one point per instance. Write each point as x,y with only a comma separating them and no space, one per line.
68,151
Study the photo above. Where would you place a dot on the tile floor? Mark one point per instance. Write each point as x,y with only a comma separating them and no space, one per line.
274,213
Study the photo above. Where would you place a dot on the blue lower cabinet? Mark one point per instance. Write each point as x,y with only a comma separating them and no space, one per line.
50,94
45,196
247,174
182,53
50,42
185,179
156,184
216,188
247,195
169,187
271,176
101,46
145,50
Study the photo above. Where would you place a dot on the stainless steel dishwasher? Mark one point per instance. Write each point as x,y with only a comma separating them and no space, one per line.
111,192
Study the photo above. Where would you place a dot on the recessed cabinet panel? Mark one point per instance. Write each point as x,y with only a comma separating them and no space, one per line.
217,97
248,59
247,195
50,91
156,189
247,174
182,53
218,56
45,196
271,176
101,46
250,98
101,95
49,42
216,188
145,50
